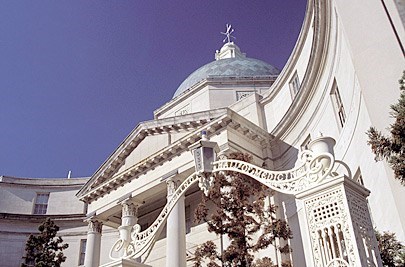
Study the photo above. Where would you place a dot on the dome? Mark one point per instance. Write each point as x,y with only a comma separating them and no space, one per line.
233,65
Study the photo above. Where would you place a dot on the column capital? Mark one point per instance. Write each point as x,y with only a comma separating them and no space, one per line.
172,184
129,208
95,225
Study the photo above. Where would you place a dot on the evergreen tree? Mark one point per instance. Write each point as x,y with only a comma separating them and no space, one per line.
45,249
392,148
240,213
391,250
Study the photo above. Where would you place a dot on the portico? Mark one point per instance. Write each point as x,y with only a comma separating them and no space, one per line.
123,200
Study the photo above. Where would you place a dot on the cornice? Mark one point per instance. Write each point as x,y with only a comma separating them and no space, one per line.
35,218
293,59
43,182
215,80
101,187
316,64
142,130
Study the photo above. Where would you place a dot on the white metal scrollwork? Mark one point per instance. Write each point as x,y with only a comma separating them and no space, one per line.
142,242
312,171
337,263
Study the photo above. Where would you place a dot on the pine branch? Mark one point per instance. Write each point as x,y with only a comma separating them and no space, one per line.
392,148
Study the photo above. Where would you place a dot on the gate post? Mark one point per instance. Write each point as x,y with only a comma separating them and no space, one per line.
337,219
339,224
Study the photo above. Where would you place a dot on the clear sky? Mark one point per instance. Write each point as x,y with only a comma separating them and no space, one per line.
77,76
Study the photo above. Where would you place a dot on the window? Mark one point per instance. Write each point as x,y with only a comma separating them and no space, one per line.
41,203
304,145
188,219
338,105
294,85
82,251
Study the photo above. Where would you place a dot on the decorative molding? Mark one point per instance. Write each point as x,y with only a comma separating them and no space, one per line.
329,229
183,111
316,64
172,185
290,66
229,119
243,94
142,242
340,228
265,80
129,209
95,226
188,122
313,170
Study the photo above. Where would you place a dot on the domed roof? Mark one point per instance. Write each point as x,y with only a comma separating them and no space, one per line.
233,64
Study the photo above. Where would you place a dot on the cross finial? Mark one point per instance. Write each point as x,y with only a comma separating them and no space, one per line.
228,33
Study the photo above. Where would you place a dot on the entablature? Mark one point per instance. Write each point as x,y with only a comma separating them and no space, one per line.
250,82
101,184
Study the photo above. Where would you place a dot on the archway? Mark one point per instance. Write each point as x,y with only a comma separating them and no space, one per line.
339,224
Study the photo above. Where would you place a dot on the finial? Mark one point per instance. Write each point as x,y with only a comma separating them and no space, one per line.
228,33
204,135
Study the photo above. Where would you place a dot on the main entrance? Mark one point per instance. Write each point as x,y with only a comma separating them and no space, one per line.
338,222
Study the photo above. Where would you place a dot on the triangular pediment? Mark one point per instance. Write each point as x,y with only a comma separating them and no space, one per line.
153,142
146,139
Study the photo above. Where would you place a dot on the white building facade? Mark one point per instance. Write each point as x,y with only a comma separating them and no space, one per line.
339,80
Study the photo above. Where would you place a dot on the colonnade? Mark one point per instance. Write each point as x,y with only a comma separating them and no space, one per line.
175,235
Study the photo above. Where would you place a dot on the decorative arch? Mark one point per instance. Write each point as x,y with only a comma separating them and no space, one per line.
312,170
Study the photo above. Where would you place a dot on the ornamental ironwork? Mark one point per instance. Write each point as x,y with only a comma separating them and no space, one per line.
313,170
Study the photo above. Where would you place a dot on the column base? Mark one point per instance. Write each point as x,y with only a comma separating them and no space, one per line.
124,263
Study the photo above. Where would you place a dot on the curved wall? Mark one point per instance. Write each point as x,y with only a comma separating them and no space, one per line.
360,57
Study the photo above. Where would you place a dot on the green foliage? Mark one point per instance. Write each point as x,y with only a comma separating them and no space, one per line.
239,212
392,148
45,249
391,250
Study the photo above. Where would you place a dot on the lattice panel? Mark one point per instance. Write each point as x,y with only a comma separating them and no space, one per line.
363,227
329,228
359,210
326,212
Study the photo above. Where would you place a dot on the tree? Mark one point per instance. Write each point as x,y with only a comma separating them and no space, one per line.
391,250
239,212
392,148
45,249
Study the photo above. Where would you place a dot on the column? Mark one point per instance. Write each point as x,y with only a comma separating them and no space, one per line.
128,220
176,229
92,257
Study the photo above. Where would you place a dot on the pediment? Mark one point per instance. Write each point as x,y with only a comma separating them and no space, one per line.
153,142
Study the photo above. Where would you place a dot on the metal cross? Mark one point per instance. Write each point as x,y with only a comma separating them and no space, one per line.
228,32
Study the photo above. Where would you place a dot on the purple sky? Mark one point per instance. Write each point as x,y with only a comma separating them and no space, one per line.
77,76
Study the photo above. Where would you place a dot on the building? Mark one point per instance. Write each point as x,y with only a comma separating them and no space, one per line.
25,203
339,80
